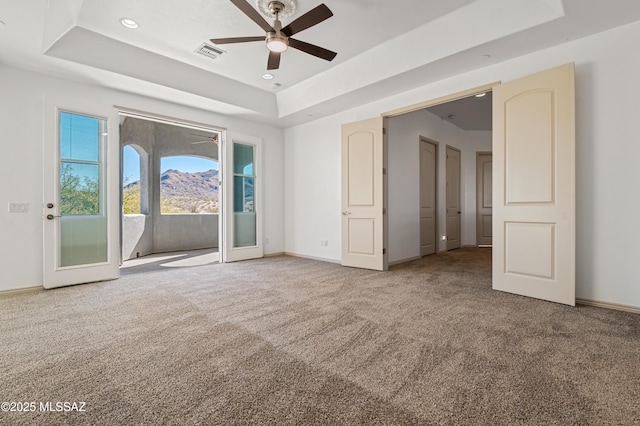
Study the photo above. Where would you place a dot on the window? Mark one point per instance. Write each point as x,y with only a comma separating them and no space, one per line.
189,185
243,178
80,169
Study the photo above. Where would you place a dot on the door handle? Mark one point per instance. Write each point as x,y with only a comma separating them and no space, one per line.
51,217
345,213
49,205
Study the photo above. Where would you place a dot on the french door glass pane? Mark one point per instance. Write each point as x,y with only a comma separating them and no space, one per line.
81,191
243,159
244,213
79,185
79,137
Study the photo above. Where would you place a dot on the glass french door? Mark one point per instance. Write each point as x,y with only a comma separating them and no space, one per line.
242,194
80,190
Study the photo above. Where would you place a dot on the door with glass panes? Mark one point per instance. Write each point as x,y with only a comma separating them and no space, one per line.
242,189
80,208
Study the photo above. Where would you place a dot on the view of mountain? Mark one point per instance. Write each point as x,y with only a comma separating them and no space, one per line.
182,192
174,183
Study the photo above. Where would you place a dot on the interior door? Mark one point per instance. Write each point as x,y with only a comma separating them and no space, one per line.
534,186
454,219
81,193
242,198
428,207
484,199
363,195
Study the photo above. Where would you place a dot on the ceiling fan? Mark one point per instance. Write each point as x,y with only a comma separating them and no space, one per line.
207,139
278,38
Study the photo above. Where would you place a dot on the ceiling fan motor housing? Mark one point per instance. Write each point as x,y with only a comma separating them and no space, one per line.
276,7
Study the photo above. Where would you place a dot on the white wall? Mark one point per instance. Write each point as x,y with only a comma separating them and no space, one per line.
608,178
404,186
21,133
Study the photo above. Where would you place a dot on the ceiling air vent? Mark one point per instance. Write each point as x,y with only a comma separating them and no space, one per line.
209,51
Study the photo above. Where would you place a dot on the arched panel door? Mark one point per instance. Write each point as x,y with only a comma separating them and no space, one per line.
534,186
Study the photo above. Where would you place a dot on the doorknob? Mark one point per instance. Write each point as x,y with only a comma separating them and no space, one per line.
49,205
51,217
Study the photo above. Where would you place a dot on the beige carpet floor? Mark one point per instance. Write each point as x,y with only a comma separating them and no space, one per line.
293,341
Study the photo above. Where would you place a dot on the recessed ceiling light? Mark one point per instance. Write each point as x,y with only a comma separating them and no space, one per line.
267,76
129,23
479,95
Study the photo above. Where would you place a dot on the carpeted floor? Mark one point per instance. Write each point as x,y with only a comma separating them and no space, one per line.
294,341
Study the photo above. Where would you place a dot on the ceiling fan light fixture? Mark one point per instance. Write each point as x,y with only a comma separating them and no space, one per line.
277,43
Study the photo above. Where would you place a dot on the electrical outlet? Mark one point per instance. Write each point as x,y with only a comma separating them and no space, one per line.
18,207
324,243
266,241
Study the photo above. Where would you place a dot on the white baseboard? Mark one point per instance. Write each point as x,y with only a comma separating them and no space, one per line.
321,259
280,253
20,290
398,262
608,305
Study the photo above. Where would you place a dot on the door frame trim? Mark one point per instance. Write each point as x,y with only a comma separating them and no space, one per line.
441,100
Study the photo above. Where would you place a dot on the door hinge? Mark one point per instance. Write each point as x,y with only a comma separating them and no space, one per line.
384,170
384,131
384,210
384,251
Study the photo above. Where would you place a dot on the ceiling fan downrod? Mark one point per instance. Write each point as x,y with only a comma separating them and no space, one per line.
276,41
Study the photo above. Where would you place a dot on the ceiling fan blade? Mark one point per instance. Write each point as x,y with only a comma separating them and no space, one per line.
209,141
253,14
236,40
312,49
309,19
274,61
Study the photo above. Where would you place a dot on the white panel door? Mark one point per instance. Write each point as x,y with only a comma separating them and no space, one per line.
484,199
534,186
363,195
81,193
428,206
454,218
242,198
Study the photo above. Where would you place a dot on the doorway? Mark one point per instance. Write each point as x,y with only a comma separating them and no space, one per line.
170,189
451,124
527,174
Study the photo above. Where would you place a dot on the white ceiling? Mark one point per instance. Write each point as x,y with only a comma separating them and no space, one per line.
383,47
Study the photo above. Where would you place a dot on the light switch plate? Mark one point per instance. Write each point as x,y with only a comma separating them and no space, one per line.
18,207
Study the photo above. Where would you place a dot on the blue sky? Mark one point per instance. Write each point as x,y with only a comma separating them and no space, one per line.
131,164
